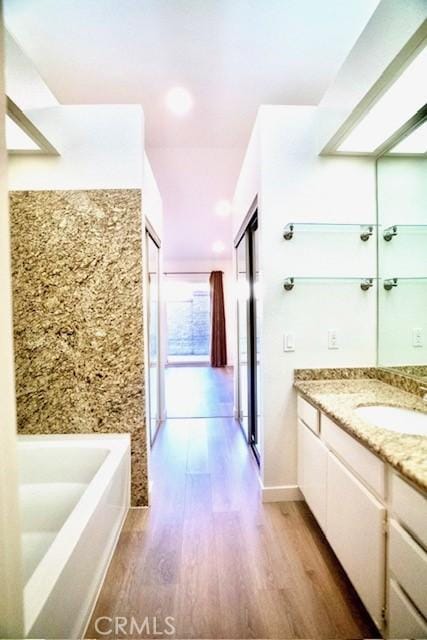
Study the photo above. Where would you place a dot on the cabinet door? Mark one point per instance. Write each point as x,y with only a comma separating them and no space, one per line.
312,471
355,530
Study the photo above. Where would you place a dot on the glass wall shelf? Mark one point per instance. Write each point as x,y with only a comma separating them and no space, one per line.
390,232
391,283
365,283
365,230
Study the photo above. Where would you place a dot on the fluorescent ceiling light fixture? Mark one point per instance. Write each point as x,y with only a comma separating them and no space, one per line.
218,247
179,101
17,139
415,142
223,208
406,96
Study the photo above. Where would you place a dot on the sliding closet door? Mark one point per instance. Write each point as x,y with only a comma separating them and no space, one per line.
153,335
242,332
248,333
253,334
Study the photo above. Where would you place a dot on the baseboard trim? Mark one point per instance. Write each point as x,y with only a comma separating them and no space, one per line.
281,493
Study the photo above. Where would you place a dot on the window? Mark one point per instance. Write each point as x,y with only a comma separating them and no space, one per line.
188,319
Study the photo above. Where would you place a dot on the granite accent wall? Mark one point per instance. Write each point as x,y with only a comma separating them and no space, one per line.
78,320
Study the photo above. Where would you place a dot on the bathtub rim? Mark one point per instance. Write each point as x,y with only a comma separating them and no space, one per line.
43,580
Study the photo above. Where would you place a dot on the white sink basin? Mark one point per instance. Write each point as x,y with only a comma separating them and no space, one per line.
395,419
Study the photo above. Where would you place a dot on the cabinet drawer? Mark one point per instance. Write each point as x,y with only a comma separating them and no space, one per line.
308,414
312,471
364,463
410,507
408,563
404,621
355,530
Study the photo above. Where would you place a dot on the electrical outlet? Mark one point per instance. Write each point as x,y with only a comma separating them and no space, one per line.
333,342
289,342
417,337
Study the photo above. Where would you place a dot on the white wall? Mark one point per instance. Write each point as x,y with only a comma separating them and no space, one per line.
295,184
101,147
402,199
24,84
152,199
11,612
192,181
248,187
152,205
207,265
248,183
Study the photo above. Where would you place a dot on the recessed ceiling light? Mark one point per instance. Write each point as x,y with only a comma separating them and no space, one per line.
223,208
415,142
406,96
179,101
218,247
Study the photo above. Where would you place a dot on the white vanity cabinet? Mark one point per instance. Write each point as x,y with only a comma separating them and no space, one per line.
374,520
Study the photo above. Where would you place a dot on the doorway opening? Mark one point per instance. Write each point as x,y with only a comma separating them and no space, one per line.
194,389
188,318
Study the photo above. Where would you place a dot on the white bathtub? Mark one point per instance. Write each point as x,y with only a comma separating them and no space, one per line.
74,497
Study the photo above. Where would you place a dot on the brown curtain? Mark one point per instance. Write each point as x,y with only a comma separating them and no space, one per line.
218,333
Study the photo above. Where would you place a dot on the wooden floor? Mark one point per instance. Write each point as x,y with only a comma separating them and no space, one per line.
199,392
222,564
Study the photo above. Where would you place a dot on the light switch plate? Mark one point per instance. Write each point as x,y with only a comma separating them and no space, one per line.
417,337
333,342
289,342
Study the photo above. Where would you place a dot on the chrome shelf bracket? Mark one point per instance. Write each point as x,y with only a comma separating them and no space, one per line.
288,231
366,232
289,284
366,284
390,283
389,233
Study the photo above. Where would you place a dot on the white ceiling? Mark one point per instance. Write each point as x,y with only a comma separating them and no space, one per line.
233,55
191,182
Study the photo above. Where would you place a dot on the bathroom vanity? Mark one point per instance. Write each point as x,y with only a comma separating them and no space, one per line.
367,487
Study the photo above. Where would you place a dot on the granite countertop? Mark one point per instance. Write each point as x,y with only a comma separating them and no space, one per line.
416,371
338,399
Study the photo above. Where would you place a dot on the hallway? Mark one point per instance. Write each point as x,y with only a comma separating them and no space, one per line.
212,556
213,240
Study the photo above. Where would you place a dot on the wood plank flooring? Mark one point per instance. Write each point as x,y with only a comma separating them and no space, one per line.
221,563
199,392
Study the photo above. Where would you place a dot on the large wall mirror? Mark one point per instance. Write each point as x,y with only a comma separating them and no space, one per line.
402,255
